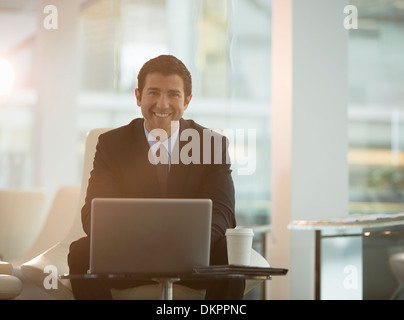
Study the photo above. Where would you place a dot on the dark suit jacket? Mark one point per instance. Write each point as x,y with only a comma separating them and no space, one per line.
122,169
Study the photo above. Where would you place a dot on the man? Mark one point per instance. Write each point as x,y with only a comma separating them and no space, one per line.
123,168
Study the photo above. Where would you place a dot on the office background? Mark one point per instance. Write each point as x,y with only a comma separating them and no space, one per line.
82,75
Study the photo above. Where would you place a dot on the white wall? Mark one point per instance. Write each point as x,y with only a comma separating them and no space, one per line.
309,133
56,84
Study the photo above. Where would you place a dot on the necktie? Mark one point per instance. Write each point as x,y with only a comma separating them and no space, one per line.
162,169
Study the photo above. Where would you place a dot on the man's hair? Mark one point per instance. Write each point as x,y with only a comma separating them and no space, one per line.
165,65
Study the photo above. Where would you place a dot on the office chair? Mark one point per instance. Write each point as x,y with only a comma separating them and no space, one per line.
20,212
10,286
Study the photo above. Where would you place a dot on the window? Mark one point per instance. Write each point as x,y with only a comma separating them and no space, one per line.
376,108
226,46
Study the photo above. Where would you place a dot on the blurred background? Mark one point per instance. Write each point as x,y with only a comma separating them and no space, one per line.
82,75
64,73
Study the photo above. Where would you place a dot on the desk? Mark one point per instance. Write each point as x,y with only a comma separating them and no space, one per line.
203,273
350,226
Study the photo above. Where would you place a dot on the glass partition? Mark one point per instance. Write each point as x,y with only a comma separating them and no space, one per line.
376,108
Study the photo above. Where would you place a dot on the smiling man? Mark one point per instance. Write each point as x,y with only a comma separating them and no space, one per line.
162,95
122,169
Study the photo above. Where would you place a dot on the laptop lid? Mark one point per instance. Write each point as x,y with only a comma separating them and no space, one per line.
149,236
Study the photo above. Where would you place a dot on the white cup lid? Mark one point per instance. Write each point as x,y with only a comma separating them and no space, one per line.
240,231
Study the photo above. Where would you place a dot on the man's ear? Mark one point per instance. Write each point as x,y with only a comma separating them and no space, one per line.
137,94
187,101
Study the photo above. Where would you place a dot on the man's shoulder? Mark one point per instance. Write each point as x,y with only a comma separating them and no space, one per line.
191,124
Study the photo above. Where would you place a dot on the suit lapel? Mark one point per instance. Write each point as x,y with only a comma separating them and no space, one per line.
178,170
146,174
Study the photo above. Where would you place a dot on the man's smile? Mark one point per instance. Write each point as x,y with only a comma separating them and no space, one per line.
161,115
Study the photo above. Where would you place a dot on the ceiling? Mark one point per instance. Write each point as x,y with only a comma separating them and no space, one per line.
385,9
12,6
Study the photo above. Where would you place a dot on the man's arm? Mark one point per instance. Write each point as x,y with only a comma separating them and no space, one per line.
218,186
103,181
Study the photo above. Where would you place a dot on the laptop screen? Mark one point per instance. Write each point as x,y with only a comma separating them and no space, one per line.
149,236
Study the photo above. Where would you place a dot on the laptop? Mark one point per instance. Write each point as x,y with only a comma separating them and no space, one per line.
149,236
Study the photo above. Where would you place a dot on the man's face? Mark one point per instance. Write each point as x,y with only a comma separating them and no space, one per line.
162,101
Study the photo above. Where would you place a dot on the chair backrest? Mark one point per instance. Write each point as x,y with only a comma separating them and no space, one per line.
22,213
56,256
60,217
76,230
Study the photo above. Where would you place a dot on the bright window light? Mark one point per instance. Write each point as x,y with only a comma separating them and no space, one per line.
6,76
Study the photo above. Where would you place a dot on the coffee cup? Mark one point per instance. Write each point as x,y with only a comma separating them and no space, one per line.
239,244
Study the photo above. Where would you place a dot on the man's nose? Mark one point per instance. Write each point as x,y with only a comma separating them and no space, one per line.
162,101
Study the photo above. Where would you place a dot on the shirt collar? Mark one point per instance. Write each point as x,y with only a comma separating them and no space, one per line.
168,144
